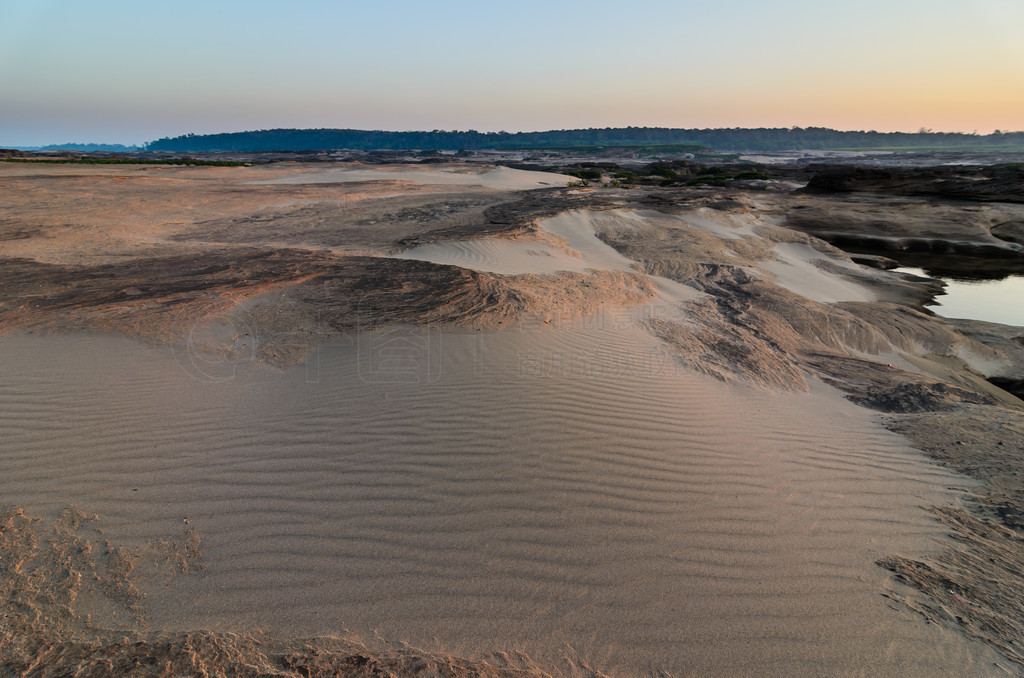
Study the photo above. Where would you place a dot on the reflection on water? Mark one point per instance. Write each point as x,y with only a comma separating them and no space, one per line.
997,301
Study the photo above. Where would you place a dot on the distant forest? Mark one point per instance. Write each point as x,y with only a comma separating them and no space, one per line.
88,148
721,140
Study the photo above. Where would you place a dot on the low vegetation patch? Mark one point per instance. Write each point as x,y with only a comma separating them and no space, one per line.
669,173
586,174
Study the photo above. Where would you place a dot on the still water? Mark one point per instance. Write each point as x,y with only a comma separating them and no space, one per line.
997,301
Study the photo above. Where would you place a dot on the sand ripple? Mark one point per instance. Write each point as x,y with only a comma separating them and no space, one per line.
543,488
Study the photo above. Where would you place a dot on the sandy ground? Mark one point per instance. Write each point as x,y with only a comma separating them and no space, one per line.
549,430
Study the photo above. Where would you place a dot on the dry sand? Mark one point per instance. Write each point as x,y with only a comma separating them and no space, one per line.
549,432
532,490
448,175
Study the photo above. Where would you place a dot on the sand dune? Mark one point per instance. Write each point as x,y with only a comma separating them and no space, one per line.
566,434
799,268
566,242
497,177
550,488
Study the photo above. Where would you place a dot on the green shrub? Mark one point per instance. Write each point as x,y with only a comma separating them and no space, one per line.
587,174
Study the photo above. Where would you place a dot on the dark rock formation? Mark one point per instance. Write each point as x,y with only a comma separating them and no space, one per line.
1000,183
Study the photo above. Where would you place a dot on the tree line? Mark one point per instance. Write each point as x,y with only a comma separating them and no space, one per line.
723,140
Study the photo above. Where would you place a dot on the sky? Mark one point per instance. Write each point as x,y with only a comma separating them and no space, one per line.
111,71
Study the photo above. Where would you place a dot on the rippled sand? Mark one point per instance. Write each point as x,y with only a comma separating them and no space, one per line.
565,490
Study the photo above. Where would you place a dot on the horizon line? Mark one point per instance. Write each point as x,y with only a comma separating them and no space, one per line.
922,130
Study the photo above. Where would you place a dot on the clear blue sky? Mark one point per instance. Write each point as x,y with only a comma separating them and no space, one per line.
128,72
